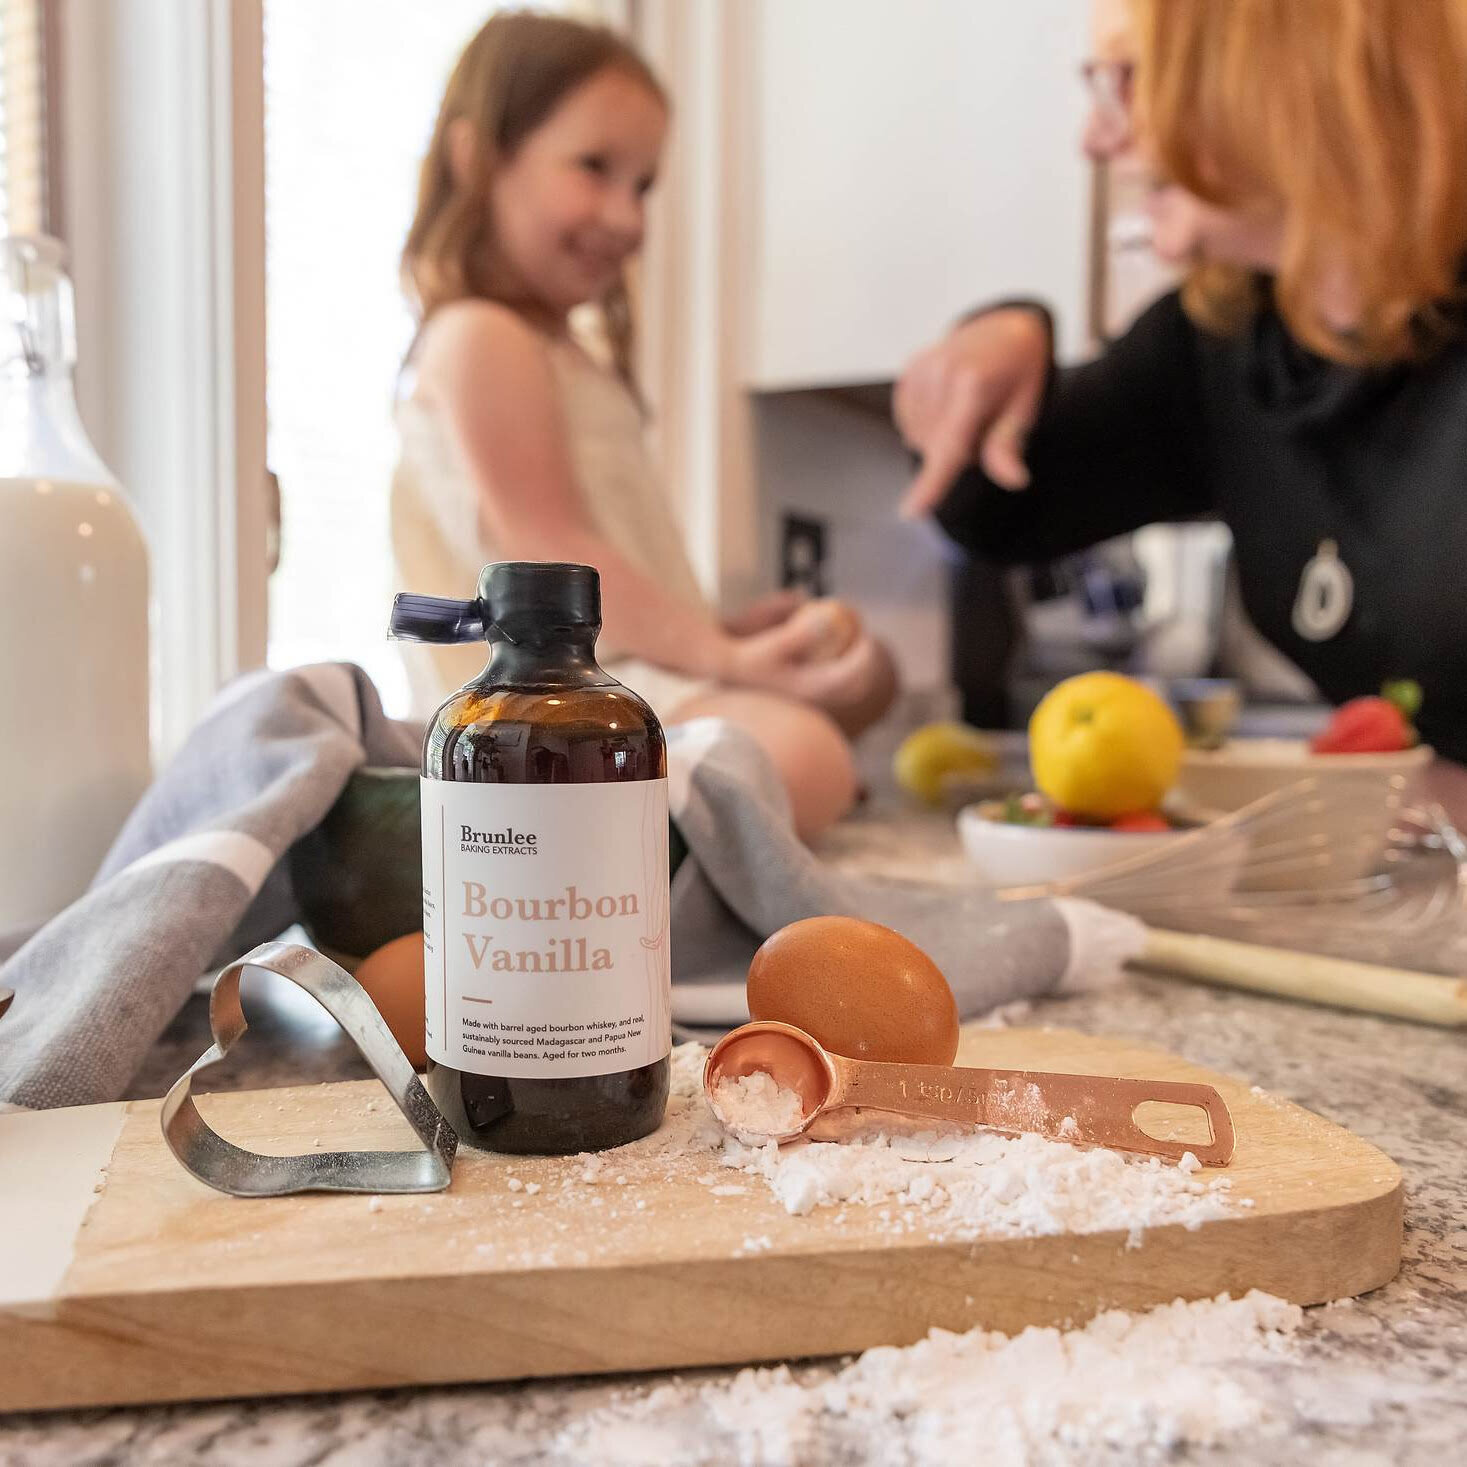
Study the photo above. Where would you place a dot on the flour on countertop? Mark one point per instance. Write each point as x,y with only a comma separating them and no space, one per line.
756,1106
1126,1387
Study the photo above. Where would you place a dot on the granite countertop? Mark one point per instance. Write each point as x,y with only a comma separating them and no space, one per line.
1380,1381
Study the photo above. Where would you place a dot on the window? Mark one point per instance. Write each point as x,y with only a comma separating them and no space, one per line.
22,119
351,91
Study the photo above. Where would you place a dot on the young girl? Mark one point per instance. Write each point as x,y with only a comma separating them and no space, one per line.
518,444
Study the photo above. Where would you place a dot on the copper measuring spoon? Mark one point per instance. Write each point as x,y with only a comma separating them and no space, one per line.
1086,1110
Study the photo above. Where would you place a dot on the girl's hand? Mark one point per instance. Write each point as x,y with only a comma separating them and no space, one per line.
972,398
778,661
765,612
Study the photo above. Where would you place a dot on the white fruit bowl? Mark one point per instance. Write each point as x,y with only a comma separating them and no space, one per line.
1007,854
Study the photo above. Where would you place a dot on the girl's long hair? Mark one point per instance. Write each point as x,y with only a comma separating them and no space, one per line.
513,74
1350,115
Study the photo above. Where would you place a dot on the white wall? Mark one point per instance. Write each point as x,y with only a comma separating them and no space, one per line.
912,158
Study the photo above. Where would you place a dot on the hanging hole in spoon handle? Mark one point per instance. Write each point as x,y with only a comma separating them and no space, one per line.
1105,1113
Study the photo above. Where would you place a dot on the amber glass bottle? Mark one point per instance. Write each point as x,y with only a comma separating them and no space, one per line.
545,886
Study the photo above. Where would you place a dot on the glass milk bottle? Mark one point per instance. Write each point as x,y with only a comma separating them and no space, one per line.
74,748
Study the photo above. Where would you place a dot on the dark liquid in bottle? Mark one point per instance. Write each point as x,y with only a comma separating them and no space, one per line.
547,714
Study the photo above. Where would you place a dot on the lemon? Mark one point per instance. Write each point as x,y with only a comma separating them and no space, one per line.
1103,745
930,755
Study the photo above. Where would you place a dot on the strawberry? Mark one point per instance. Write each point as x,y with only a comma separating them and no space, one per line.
1365,726
1149,820
1064,818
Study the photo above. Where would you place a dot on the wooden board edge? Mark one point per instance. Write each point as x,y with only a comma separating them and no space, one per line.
128,1349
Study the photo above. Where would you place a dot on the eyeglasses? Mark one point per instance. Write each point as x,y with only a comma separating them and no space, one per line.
1112,85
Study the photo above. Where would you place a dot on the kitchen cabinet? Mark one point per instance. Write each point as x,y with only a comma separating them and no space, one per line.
907,161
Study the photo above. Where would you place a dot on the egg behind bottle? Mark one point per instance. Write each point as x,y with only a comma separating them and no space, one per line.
393,978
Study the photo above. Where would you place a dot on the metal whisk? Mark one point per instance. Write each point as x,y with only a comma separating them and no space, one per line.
1340,872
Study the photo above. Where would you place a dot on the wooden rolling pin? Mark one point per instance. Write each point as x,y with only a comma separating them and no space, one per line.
1424,997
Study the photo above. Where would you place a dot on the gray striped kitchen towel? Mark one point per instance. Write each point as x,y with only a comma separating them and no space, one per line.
199,875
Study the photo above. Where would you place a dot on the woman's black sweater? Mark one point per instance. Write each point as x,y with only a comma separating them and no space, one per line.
1289,451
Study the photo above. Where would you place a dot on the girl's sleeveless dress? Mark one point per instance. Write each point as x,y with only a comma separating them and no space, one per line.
439,545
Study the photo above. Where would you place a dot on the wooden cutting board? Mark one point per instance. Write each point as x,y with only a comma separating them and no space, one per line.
122,1279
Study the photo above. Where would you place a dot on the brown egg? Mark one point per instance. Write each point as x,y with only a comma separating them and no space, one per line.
393,978
861,989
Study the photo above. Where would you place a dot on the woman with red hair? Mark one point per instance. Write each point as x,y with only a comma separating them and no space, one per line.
1307,384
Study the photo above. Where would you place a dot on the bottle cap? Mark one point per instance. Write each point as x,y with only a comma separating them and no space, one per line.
527,600
518,601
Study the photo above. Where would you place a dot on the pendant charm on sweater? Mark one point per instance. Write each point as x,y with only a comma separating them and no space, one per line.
1326,594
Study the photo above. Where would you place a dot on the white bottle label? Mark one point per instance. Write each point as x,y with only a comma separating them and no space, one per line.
545,927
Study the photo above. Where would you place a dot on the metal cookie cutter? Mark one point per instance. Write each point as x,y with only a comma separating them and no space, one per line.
244,1173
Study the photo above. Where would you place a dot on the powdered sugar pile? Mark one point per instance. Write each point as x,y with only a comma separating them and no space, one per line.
951,1187
1135,1386
984,1185
756,1106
